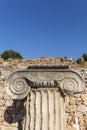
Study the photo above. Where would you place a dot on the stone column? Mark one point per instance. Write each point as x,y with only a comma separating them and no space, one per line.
44,86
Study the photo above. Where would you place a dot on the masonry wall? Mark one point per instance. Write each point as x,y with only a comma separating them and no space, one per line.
12,113
76,111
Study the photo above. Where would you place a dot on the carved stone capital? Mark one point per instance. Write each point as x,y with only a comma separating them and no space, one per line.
20,82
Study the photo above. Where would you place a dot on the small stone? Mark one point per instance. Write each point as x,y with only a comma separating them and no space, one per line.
67,116
82,108
14,122
8,103
85,118
5,74
2,90
1,118
78,101
71,120
84,96
72,101
78,114
82,121
2,87
76,120
2,102
1,95
71,108
76,126
6,96
1,113
85,101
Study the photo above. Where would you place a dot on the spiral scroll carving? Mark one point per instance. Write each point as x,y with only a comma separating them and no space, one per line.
70,85
18,88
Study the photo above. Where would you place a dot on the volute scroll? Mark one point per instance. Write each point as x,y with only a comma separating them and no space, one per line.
71,85
18,88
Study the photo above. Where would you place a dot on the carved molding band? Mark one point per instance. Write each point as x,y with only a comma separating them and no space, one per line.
44,84
20,82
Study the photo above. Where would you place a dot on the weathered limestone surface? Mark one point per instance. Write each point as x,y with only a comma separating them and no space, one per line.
54,97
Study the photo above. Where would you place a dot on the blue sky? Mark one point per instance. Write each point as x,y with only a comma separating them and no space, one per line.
49,28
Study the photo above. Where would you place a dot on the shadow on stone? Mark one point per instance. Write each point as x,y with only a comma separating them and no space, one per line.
15,114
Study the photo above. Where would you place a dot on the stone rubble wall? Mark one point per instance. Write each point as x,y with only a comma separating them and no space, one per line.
76,112
12,112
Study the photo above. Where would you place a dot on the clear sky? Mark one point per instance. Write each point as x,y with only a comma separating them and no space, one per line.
49,28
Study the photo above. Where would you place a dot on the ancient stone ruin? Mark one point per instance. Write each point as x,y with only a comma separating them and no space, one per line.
44,97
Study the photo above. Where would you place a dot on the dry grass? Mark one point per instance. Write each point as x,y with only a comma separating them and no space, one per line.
75,65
